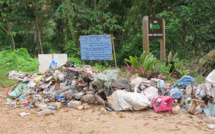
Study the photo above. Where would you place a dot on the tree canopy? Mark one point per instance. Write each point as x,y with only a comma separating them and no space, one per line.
54,26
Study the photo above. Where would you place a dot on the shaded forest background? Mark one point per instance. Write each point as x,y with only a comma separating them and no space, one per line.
54,26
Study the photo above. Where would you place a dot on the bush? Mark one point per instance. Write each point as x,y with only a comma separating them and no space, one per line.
77,61
145,66
18,60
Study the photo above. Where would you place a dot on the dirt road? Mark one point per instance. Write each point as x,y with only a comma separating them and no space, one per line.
72,121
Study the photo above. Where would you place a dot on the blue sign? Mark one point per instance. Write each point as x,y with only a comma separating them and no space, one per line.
96,47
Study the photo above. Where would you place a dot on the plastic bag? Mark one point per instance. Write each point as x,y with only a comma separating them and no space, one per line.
122,100
160,85
177,93
151,93
206,90
211,78
137,82
210,110
53,63
185,80
195,106
21,88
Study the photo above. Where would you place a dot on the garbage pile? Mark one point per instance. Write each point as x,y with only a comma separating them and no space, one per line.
77,87
71,86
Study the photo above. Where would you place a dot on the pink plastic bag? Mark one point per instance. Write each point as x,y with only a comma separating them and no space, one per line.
163,103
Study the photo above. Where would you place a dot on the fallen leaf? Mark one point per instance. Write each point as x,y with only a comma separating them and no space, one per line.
92,130
121,116
191,117
145,124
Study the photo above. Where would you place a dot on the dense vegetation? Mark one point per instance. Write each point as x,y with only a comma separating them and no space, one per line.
54,26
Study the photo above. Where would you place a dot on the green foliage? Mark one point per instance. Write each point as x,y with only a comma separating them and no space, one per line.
145,65
146,61
164,68
189,25
4,81
101,68
18,60
183,71
72,50
77,61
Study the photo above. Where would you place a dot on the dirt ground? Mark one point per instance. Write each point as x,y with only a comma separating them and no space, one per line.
72,121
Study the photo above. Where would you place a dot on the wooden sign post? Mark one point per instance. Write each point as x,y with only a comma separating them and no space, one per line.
154,28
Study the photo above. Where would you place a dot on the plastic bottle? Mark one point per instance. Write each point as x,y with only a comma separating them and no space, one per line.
79,95
91,86
57,68
51,89
44,112
38,78
66,87
73,83
67,93
41,105
56,105
69,104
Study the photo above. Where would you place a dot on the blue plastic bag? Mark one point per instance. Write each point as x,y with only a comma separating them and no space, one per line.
177,92
210,110
160,85
53,63
185,81
59,98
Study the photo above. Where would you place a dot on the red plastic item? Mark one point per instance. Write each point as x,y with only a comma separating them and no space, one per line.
8,91
26,102
165,105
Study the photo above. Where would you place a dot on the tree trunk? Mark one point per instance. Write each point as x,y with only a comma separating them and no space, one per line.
184,41
150,8
13,41
94,4
35,36
10,31
39,35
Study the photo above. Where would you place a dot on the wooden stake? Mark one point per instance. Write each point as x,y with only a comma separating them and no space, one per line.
163,45
145,28
114,51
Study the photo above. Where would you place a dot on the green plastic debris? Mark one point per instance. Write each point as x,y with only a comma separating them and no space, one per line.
103,80
21,88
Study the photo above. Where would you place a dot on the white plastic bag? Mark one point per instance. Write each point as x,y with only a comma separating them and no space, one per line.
151,93
123,100
137,81
211,78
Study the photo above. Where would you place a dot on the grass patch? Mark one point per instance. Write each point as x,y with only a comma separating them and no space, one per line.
4,81
19,60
